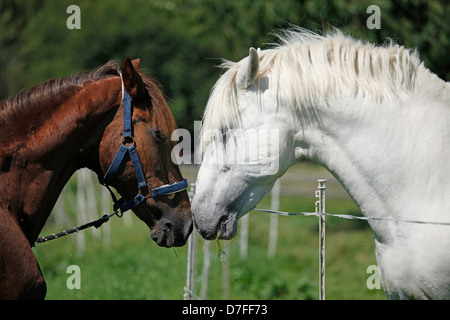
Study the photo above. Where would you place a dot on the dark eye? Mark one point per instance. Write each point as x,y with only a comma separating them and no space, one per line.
138,120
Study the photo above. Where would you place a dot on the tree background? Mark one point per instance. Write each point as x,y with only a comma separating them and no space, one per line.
180,42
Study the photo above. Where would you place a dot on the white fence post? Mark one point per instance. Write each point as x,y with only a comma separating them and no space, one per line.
243,236
191,258
81,210
91,200
205,269
106,207
224,257
273,231
320,209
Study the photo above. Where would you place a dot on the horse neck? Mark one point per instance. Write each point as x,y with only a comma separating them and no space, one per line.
38,164
391,157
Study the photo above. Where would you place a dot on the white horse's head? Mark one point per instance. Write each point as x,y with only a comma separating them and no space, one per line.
245,144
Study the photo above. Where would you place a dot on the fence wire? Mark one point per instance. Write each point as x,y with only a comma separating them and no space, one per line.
351,217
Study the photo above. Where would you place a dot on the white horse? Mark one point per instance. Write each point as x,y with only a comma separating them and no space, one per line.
375,117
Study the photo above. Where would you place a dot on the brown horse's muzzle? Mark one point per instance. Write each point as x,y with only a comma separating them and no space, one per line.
168,234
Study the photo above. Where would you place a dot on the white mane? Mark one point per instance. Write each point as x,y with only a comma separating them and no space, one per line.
307,68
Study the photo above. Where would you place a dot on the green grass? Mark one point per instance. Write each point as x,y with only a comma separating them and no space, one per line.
132,266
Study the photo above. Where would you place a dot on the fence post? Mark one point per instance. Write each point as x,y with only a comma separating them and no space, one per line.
273,231
81,208
205,269
320,209
192,253
243,236
224,257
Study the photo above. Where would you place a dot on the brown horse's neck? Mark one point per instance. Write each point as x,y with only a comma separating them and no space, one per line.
39,153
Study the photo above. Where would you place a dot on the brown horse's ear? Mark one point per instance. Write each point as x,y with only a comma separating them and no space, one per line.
132,81
136,63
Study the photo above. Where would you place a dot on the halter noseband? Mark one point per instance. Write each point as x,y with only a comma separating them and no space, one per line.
131,150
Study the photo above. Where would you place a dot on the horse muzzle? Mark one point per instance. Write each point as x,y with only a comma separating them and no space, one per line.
224,227
168,234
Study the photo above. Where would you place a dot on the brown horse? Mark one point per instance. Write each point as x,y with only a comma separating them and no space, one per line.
52,130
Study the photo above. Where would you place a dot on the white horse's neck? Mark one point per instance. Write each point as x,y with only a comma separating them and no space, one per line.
391,157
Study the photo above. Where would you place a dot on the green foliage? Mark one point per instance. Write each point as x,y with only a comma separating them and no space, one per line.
181,41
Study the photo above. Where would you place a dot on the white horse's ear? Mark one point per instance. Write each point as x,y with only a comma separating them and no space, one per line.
249,71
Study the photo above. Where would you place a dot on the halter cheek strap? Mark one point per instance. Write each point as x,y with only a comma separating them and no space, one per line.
128,146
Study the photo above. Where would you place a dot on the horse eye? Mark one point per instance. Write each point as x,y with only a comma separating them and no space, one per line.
138,120
158,135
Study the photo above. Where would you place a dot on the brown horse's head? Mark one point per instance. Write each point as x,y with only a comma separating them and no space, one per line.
168,216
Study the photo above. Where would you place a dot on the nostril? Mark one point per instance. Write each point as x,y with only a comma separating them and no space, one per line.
168,225
222,220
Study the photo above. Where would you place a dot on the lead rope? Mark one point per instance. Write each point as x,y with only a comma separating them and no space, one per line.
96,223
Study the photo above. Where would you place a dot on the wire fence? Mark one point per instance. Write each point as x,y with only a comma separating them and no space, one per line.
320,212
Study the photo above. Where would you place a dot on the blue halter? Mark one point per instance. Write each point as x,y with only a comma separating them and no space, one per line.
131,150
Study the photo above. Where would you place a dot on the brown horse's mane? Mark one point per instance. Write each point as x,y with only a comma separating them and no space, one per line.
54,91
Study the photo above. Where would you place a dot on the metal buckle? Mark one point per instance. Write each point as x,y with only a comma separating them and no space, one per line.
128,140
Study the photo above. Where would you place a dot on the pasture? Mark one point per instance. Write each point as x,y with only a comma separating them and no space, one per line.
132,266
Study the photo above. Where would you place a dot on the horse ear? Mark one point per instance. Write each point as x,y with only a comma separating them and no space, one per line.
132,81
136,63
247,74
